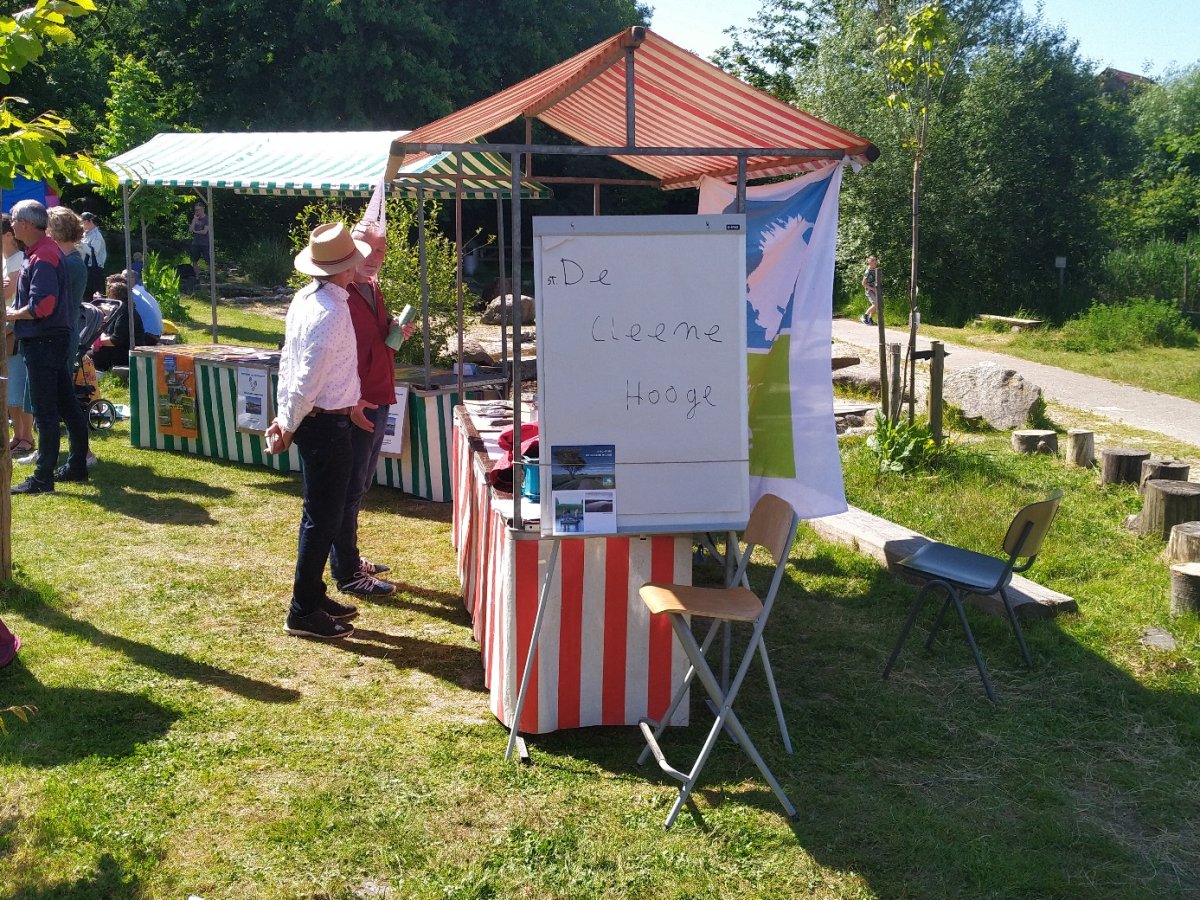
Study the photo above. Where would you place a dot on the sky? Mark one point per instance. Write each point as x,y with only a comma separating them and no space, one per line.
1147,37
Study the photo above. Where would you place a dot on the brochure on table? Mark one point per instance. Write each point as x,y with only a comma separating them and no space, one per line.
642,373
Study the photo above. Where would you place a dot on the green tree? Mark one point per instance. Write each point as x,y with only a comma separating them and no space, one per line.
33,146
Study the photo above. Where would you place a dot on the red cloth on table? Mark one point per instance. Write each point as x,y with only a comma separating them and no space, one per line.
501,476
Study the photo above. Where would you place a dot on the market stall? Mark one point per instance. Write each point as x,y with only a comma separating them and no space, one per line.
694,122
337,164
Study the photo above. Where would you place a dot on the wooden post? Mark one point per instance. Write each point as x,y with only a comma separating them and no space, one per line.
1167,504
1121,465
894,397
1169,469
1081,448
937,366
1184,543
1035,440
1185,589
5,475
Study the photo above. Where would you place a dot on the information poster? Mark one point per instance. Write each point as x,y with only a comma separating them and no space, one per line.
583,485
176,383
253,387
393,440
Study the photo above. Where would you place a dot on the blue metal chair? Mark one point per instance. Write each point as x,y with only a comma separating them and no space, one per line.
959,572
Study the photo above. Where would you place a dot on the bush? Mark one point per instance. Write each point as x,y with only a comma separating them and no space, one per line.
1154,269
901,447
162,280
399,277
268,261
1104,328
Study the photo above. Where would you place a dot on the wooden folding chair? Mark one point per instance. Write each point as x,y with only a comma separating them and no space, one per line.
772,526
958,572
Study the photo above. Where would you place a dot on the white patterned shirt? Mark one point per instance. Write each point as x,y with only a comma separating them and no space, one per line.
319,363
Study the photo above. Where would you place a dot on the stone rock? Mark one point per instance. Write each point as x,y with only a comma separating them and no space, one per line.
473,351
1157,639
1000,397
498,312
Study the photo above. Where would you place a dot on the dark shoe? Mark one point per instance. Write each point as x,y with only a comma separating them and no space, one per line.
865,319
32,486
63,473
364,585
342,612
317,625
365,565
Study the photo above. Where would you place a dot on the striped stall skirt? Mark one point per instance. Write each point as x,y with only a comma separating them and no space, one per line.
423,470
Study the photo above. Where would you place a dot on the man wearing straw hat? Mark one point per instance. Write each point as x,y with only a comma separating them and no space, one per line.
317,398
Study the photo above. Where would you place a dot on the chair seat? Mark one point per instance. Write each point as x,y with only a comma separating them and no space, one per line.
736,604
974,571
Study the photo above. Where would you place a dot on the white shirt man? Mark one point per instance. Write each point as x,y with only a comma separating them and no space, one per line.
93,239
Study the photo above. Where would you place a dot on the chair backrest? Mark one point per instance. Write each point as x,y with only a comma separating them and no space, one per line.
1031,523
771,526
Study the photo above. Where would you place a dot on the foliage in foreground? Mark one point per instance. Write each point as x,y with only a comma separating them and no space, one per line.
904,447
162,280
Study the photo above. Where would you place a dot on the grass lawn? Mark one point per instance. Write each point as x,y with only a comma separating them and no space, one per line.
1169,370
235,323
185,745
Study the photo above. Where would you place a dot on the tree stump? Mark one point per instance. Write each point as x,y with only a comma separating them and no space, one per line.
1167,504
1184,543
1185,589
1081,448
1170,469
1035,440
1121,465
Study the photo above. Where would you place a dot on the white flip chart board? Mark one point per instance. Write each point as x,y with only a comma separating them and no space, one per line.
641,332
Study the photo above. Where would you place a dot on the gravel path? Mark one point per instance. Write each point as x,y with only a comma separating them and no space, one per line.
1161,413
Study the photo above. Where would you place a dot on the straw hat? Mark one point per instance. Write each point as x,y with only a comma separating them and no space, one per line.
331,250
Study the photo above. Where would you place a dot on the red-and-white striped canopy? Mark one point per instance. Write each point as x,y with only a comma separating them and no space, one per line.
681,101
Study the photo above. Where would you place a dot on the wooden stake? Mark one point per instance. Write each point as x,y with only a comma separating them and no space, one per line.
1121,465
1170,469
1035,440
1185,589
1184,543
1081,448
1167,504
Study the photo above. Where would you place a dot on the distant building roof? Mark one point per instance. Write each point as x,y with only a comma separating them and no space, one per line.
1116,81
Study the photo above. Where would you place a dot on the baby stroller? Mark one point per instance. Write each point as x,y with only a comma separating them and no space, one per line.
101,415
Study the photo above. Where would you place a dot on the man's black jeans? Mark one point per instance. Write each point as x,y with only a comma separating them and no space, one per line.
324,444
52,394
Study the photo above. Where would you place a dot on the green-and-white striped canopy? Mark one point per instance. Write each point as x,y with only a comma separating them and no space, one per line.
303,163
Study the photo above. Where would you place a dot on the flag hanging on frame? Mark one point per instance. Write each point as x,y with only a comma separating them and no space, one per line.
791,235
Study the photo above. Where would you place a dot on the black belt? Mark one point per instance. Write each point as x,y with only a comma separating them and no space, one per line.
318,411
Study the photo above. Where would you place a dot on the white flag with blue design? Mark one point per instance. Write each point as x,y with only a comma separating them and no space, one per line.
790,240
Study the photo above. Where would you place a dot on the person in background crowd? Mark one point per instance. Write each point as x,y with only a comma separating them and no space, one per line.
146,305
355,574
198,229
21,444
47,337
870,284
94,253
66,228
319,404
112,347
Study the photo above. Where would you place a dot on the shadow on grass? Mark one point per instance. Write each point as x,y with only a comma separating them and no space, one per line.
139,492
74,723
106,882
446,662
1075,784
175,665
426,601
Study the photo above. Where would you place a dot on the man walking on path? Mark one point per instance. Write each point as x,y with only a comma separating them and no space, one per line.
48,338
870,284
318,395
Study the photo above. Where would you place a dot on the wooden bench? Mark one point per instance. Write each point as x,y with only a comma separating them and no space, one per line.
1015,323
